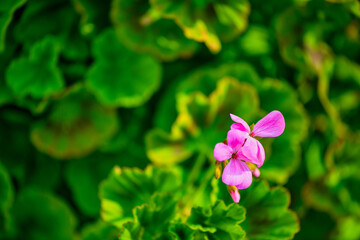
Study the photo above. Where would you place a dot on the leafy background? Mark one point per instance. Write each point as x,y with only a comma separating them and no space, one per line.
109,112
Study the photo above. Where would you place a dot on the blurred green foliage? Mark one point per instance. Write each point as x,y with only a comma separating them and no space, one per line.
110,110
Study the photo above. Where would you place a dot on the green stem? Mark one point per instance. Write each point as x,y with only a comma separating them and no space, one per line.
195,171
207,178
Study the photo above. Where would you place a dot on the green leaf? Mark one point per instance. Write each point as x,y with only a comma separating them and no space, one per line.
38,75
207,23
219,221
99,231
256,41
335,193
34,22
151,221
120,77
348,228
84,176
127,188
50,217
142,30
314,160
7,9
85,127
267,213
163,149
181,231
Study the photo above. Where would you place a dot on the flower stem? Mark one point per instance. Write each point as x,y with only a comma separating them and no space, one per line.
195,171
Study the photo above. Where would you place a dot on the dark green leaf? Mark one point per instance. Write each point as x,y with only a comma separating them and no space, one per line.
84,127
38,75
49,216
120,77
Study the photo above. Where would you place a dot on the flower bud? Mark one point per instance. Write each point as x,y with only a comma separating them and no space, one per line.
218,169
234,193
256,172
225,163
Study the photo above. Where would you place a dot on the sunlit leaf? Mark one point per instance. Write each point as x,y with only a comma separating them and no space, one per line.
219,221
127,188
151,220
207,22
163,149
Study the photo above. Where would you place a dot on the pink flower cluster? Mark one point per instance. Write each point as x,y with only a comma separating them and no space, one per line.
244,152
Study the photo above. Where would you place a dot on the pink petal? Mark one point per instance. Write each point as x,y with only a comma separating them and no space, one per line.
237,173
252,151
272,125
261,153
222,152
240,124
235,139
235,196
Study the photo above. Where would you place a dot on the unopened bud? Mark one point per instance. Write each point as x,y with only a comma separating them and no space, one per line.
253,168
218,169
234,193
256,172
225,163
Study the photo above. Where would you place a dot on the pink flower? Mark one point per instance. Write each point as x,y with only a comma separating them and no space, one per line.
272,125
236,172
243,151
